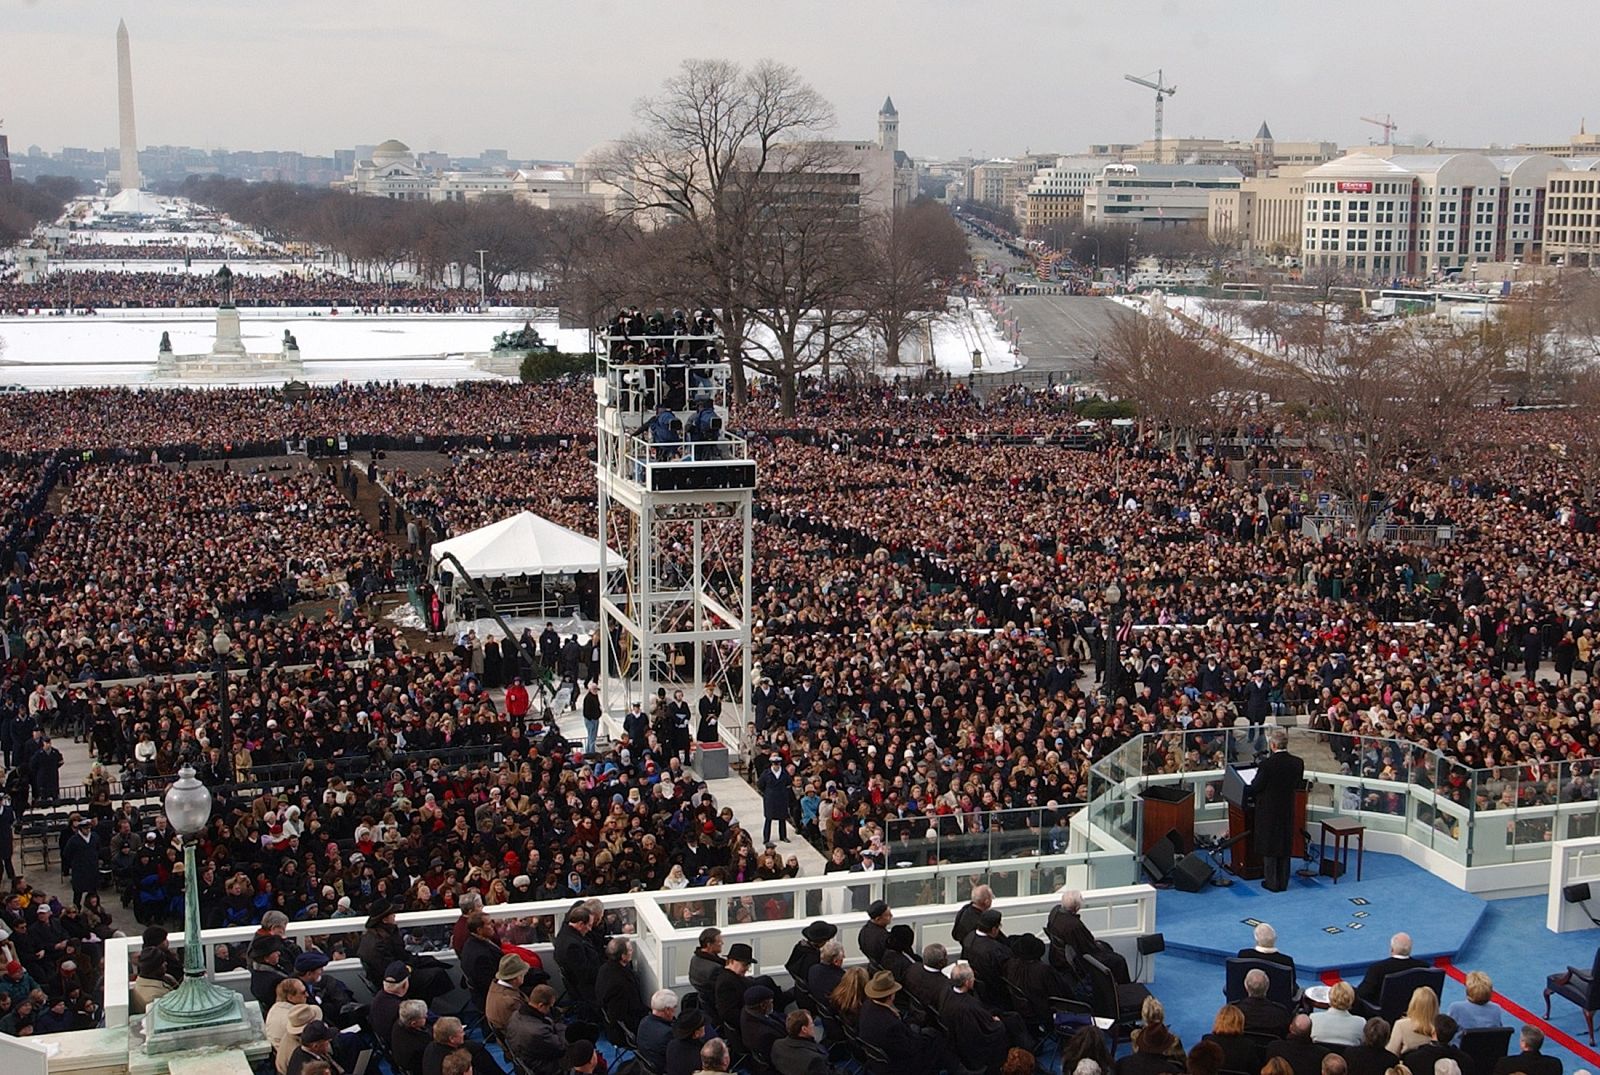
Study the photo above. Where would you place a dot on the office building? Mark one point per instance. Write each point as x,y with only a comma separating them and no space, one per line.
1155,196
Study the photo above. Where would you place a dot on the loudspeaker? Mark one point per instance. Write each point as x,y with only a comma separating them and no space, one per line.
1577,893
1160,859
1148,944
1192,874
1332,868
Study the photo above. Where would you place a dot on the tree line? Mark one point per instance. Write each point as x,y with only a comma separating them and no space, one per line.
23,205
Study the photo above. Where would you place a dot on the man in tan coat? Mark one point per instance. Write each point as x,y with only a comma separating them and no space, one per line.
287,1017
505,992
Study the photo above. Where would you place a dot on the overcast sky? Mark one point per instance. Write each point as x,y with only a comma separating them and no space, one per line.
548,78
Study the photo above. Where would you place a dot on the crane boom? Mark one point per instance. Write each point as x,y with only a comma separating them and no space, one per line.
1387,123
1163,91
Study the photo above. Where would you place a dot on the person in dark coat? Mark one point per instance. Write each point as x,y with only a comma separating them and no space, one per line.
1274,787
1067,932
480,957
873,940
1240,1052
8,831
45,768
776,793
1302,1054
534,1037
683,1051
1423,1057
827,972
988,955
410,1039
1261,1015
1151,1054
807,951
1371,987
81,857
617,991
758,1027
797,1052
578,959
316,1043
976,1034
1530,1061
926,980
265,957
914,1051
381,945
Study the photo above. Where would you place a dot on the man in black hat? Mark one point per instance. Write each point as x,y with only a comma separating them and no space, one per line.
901,955
581,1058
384,1011
807,950
316,1043
730,986
338,1004
683,1051
988,954
873,939
758,1027
264,956
381,946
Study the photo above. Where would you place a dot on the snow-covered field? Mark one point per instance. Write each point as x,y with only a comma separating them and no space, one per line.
53,352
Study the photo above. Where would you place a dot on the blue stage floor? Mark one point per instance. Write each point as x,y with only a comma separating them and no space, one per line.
1320,923
1506,939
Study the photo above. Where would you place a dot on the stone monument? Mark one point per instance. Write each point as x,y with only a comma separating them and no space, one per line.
228,358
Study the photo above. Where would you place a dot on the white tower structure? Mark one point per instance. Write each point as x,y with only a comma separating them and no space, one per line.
676,491
888,126
128,172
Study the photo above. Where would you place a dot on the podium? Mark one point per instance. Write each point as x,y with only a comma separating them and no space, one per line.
1244,857
1168,808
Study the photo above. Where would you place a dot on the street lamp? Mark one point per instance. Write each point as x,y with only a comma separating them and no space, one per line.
197,1004
481,291
222,645
1096,239
1113,596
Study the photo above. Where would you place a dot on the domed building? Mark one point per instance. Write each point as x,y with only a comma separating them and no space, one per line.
391,172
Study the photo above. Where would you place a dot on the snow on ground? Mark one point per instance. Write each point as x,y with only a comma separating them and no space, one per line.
964,330
54,352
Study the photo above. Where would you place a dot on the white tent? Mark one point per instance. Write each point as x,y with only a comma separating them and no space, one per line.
525,544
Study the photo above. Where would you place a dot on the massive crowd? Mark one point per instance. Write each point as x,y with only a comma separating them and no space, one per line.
932,616
89,290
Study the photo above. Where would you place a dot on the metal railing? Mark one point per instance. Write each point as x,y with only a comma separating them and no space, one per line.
1469,817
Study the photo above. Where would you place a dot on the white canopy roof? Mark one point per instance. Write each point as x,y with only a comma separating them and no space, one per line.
525,544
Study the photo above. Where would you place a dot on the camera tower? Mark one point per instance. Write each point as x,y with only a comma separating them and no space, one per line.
675,495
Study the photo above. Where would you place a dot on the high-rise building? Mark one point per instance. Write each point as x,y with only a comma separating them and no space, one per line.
5,161
1155,196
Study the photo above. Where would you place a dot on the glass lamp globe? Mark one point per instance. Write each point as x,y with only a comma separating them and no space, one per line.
188,803
221,644
1113,593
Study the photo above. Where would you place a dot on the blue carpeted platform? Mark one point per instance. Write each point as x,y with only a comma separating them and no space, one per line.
1210,925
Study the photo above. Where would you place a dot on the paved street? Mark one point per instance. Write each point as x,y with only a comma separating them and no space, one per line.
1062,332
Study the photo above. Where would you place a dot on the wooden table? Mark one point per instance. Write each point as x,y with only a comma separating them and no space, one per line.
1342,829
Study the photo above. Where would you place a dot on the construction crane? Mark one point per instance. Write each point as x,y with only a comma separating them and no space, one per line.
1162,93
1387,123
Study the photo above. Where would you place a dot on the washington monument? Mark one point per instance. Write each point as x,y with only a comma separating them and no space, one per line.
129,171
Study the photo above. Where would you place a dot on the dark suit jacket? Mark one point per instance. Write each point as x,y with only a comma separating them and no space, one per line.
617,991
1305,1056
758,1032
1262,1016
905,1045
1239,1052
1369,1060
729,990
1269,957
822,980
928,986
480,960
873,941
966,922
579,962
1528,1064
407,1047
802,958
978,1037
1372,984
1278,778
988,958
799,1056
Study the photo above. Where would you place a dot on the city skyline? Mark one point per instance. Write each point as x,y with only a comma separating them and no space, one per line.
1051,81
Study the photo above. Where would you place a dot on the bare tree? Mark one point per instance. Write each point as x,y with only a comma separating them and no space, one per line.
1185,384
1532,330
912,255
1446,371
708,155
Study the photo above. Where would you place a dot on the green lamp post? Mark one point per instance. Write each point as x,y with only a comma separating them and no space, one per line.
197,1004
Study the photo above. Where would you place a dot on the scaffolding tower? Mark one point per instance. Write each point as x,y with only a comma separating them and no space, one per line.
676,491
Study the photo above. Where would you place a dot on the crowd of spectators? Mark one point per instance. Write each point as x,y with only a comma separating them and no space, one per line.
107,289
931,616
151,250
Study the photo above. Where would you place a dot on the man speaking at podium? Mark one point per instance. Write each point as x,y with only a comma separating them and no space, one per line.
1274,787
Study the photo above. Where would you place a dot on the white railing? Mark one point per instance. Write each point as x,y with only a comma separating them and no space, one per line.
1118,915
